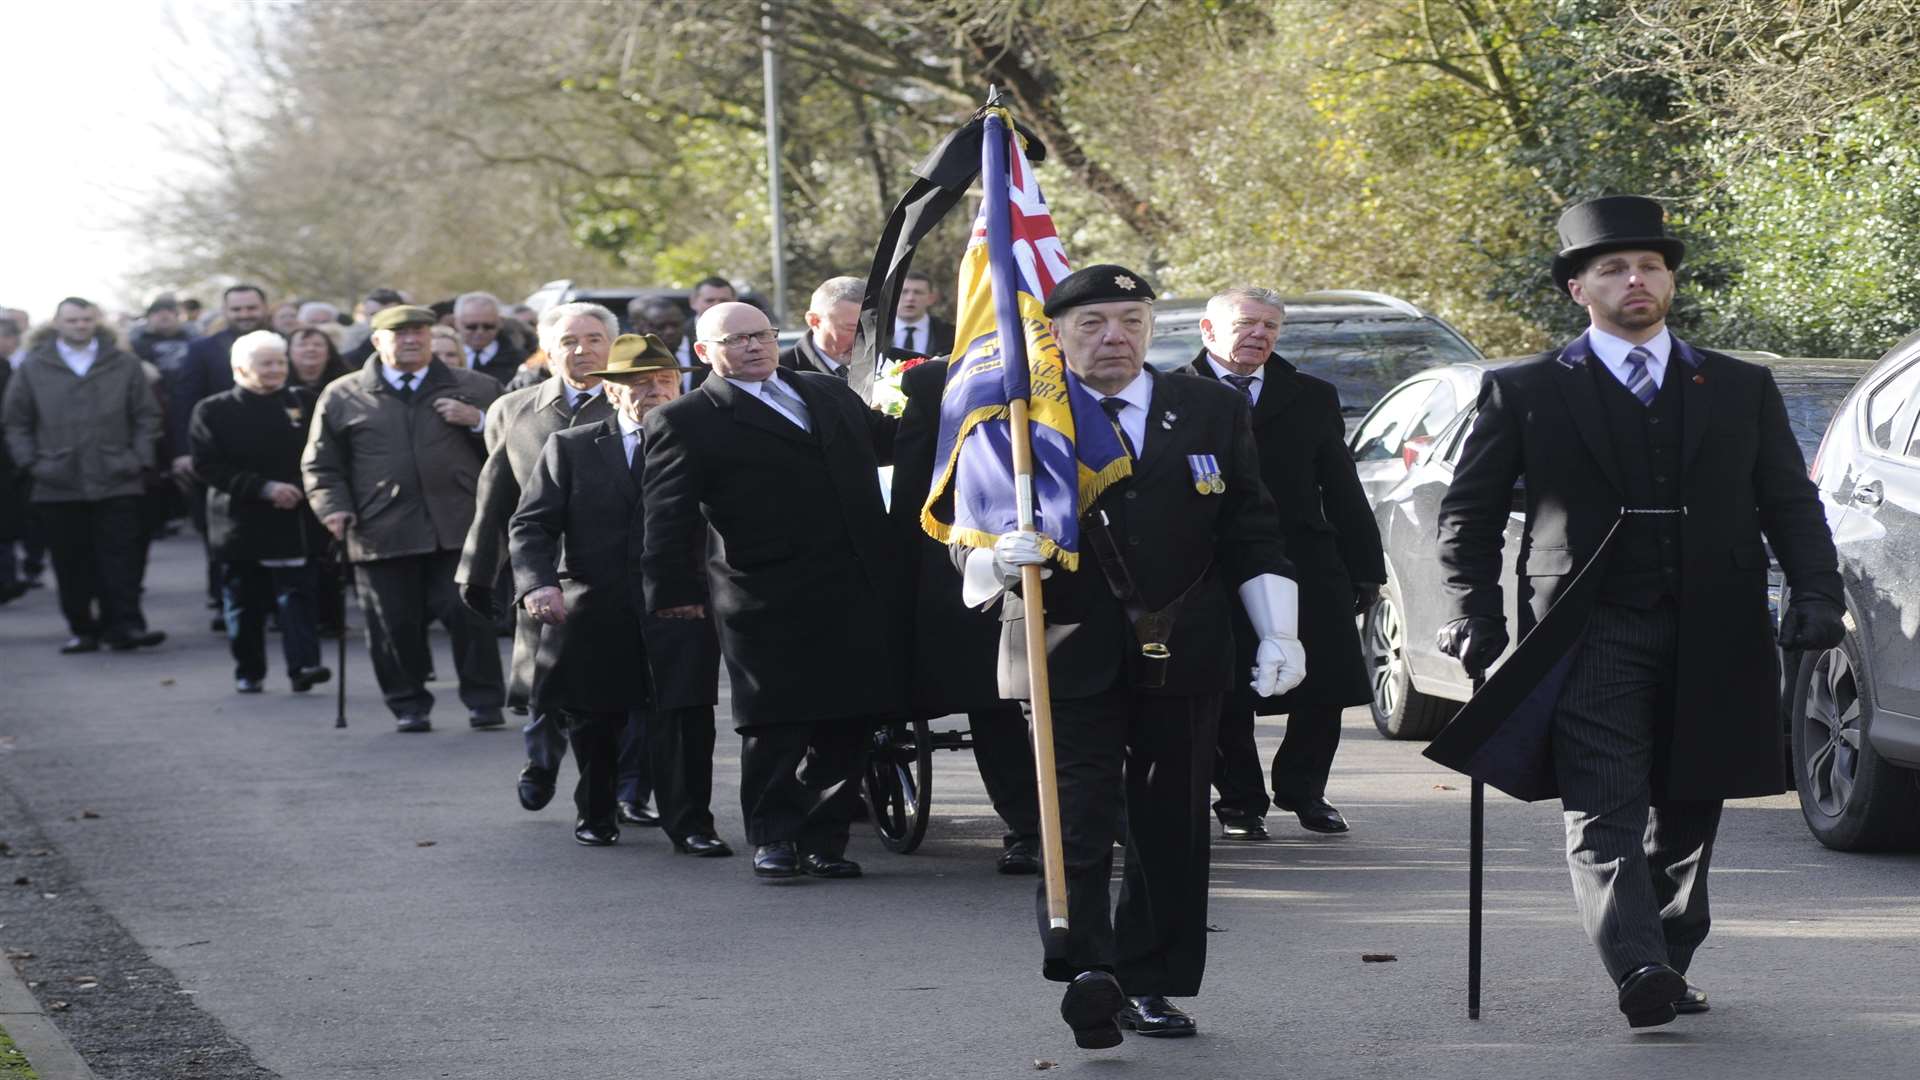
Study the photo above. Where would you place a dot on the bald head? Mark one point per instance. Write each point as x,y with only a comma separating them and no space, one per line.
737,340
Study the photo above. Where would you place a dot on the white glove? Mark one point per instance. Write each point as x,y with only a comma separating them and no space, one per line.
1273,607
1015,550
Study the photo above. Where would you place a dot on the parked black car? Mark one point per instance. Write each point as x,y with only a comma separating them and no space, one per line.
1854,710
1416,690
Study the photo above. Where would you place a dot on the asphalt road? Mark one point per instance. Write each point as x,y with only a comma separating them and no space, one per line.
258,893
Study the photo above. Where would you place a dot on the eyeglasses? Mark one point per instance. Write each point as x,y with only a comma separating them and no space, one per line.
735,341
472,326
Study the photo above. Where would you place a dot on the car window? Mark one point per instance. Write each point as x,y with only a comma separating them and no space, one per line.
1886,404
1457,441
1810,405
1382,434
1364,358
1436,411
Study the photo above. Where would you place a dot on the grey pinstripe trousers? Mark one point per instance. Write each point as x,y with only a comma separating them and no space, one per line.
1639,866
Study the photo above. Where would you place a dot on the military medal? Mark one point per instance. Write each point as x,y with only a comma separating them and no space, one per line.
1206,474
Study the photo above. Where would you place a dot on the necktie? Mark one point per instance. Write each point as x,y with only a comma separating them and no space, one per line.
907,343
789,401
579,402
1112,406
1244,384
636,461
406,386
1638,379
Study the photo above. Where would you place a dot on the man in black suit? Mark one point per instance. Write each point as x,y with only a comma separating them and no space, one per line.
1190,527
478,318
576,539
1655,467
833,318
1333,543
577,338
917,331
768,477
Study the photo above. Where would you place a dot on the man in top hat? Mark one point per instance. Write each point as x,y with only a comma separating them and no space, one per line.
1196,534
1656,466
604,663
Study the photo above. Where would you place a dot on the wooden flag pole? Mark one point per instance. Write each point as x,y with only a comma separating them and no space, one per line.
1052,860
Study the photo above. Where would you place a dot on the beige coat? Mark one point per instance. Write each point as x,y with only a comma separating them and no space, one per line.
407,476
81,439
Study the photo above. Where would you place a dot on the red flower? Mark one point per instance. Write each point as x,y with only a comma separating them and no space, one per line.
909,365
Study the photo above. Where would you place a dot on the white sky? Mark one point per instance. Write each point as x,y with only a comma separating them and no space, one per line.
86,90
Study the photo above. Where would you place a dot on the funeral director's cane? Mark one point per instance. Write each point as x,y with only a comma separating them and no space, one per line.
340,695
1476,861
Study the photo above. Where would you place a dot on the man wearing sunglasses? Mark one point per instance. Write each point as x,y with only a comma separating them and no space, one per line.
477,317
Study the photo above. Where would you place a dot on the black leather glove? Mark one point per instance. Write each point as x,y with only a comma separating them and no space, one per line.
1365,595
1812,624
479,600
1476,641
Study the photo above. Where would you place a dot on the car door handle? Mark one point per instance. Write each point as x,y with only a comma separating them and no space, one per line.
1869,494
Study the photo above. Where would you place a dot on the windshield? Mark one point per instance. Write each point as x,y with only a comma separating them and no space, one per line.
1810,404
1363,358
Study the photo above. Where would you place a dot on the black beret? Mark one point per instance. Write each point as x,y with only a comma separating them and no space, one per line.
1102,284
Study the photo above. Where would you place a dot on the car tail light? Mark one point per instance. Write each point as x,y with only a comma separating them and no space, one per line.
1410,450
1813,469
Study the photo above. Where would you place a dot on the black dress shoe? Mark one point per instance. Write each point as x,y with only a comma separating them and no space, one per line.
1243,828
139,639
1156,1018
595,833
828,866
536,787
1091,1007
412,724
632,813
247,686
309,677
1316,815
80,643
1693,1001
1648,995
777,861
1019,858
486,717
702,844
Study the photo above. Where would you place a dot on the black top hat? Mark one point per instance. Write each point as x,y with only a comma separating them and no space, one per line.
1615,223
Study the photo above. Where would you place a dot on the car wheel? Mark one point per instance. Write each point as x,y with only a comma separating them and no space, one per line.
1852,798
1399,711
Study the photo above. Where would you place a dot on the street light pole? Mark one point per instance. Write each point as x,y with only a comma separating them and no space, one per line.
770,71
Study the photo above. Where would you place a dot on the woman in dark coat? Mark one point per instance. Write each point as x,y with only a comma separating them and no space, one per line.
246,445
315,362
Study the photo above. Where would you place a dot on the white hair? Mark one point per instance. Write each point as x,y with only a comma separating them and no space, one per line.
247,344
474,299
836,290
1223,302
318,311
548,329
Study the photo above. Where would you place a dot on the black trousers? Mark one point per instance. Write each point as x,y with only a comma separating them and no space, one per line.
1154,757
596,750
801,782
400,597
1003,752
679,762
1639,863
96,549
1300,766
248,593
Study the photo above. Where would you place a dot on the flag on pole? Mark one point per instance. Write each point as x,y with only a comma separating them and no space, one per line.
1004,351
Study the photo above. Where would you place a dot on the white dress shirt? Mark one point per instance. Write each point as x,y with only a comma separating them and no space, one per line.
1138,395
574,394
922,332
1221,371
629,436
1613,351
476,359
80,360
757,389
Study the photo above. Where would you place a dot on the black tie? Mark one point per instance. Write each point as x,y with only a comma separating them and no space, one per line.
579,402
406,386
910,332
1244,384
637,464
1113,405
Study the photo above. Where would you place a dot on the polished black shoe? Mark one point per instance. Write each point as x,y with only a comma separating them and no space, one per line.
705,845
1316,815
595,833
247,686
1693,1001
1091,1007
1243,828
412,724
309,677
488,717
80,643
632,813
828,866
1156,1018
1019,858
139,639
777,861
536,787
1648,995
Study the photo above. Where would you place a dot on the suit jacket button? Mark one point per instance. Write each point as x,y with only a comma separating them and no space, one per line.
1133,494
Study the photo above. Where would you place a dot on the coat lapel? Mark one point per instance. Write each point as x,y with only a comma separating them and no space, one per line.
1277,391
613,450
1686,362
748,409
1166,401
1576,389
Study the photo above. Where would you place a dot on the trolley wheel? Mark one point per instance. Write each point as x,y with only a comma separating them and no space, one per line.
898,782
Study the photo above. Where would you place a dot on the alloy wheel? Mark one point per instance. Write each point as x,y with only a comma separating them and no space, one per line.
1832,732
1386,650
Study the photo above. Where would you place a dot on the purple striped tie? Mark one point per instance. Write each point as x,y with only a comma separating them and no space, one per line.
1638,379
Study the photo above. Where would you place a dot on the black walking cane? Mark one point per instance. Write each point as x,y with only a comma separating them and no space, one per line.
1477,863
340,691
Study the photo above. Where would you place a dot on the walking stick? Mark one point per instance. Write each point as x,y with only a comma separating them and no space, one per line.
1477,863
1052,860
340,691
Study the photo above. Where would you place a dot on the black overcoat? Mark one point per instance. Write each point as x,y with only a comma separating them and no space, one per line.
241,441
801,560
1742,476
1332,539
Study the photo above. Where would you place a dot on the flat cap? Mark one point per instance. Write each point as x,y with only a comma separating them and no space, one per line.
638,354
1102,284
393,318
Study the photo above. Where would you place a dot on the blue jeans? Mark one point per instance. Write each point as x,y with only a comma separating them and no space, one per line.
247,590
